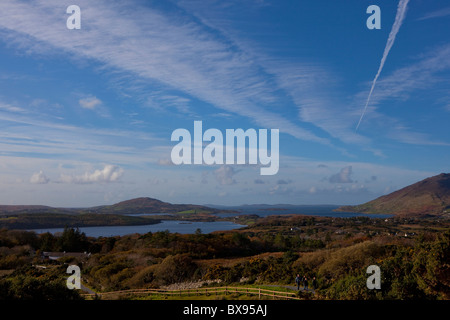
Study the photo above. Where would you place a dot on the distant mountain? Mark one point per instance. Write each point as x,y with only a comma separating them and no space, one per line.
149,205
22,209
430,196
133,206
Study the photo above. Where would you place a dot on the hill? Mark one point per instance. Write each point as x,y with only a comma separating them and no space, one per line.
25,209
133,206
429,197
57,220
34,217
149,205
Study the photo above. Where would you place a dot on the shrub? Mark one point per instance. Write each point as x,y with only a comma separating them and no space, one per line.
175,268
350,259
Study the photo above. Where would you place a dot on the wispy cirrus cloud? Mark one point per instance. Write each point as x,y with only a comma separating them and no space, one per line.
166,50
314,88
313,91
420,74
27,135
10,108
436,14
310,85
229,75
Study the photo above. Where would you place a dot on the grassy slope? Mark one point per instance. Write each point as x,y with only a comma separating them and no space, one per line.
430,196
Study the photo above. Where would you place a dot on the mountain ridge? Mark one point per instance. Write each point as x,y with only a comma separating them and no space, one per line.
150,205
428,197
131,206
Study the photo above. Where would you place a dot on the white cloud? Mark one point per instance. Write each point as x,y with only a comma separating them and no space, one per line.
39,178
224,175
90,103
344,176
109,173
280,190
160,183
165,162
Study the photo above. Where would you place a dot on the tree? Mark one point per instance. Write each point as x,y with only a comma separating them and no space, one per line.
47,242
72,240
280,241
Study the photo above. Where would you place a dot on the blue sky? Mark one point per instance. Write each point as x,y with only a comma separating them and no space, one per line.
87,115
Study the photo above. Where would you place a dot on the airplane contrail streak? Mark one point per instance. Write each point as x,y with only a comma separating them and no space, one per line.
400,16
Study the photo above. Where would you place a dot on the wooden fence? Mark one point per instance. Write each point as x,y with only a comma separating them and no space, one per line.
198,291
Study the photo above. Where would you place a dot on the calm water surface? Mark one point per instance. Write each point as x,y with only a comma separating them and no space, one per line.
313,210
183,227
171,225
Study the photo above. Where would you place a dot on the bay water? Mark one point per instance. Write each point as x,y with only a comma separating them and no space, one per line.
184,227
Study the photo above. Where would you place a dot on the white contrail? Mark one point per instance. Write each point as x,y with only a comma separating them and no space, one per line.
401,13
